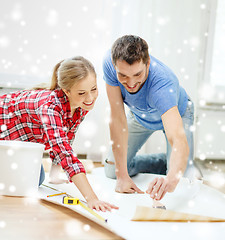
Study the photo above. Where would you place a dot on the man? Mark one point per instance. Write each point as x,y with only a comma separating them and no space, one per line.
152,93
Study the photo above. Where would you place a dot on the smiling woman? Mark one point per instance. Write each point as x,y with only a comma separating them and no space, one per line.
83,93
52,116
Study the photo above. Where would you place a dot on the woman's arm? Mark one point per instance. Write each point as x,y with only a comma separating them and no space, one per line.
63,153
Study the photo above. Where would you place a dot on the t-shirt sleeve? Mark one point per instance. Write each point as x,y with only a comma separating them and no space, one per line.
109,72
62,152
165,94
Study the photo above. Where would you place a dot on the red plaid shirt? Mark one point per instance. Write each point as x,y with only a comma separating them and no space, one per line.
44,117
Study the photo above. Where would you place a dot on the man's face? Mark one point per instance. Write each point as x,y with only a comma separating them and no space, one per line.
132,76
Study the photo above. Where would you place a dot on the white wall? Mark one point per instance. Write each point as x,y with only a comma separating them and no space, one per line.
35,35
178,35
211,134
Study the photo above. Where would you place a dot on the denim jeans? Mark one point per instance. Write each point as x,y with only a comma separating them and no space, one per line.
42,175
150,163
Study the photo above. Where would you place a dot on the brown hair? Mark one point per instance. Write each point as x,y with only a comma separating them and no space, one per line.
131,49
67,72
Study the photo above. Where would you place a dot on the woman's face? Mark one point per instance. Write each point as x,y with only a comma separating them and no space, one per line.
83,93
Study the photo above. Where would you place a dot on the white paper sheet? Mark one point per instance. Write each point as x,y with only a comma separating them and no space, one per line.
195,198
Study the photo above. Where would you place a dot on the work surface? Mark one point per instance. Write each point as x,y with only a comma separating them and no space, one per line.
35,219
195,198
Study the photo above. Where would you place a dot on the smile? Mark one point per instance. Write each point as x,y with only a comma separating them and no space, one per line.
88,104
132,87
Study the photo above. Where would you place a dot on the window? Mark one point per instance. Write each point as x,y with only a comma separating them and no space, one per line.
34,36
217,77
212,90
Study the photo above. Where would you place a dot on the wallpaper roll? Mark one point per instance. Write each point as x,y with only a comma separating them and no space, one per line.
143,213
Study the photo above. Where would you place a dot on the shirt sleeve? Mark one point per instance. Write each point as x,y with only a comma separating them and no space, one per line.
109,72
62,152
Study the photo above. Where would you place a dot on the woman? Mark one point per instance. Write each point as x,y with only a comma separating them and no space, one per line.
52,117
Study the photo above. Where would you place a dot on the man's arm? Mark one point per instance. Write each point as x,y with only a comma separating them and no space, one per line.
175,133
176,136
119,137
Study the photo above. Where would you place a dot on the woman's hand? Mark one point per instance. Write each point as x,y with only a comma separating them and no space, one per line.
81,182
100,205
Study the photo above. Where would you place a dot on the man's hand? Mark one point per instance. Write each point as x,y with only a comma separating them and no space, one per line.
126,185
160,186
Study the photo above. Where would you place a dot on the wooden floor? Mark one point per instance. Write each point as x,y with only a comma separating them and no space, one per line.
24,218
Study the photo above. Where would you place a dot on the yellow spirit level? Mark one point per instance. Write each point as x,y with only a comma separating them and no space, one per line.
70,200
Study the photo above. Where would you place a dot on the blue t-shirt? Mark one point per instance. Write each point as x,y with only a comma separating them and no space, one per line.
160,92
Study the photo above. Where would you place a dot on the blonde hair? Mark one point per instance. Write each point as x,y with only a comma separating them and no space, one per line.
68,72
